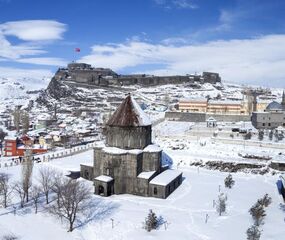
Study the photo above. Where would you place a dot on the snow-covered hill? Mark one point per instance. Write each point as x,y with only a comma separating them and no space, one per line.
20,91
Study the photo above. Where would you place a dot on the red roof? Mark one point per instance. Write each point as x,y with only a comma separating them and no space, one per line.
25,138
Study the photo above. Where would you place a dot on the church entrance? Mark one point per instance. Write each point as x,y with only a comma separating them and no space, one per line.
101,190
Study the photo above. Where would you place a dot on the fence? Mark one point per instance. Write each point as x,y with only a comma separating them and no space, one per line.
50,156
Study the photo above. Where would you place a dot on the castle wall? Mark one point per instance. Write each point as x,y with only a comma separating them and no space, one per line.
128,137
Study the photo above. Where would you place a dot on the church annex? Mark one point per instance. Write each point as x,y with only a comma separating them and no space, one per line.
129,162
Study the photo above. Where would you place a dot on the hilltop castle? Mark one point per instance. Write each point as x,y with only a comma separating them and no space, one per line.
83,73
129,162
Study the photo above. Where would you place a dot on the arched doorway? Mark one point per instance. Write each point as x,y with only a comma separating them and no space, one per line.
101,190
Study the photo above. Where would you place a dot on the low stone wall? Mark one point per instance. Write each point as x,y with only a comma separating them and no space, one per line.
185,116
202,117
229,118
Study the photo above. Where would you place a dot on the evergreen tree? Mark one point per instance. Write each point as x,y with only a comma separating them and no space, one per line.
265,201
270,135
229,182
260,135
151,221
221,204
253,233
247,136
258,213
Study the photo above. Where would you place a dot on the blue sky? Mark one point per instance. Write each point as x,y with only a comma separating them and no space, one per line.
243,40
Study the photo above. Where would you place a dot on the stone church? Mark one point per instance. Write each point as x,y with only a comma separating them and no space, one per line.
129,163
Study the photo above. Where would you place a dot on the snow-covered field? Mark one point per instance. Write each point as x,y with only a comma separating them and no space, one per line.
183,212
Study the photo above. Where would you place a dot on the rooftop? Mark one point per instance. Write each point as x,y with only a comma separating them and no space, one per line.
274,106
129,114
146,175
104,178
165,177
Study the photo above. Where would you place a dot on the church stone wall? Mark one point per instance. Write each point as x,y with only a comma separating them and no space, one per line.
124,168
128,137
152,161
86,172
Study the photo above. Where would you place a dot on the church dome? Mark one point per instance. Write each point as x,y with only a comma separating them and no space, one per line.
274,106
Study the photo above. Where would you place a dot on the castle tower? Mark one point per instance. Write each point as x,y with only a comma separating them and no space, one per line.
129,127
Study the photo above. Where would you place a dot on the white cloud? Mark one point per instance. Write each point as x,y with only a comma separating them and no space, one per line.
253,61
9,51
19,73
184,4
44,61
34,30
179,4
33,35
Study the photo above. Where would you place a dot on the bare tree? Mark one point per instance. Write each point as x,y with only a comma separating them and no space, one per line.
17,117
27,171
72,196
5,189
25,119
2,134
46,179
221,204
18,188
36,192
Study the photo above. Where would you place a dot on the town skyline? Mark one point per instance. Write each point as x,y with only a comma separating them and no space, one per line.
241,40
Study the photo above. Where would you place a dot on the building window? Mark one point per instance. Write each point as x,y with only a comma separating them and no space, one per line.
263,124
269,124
86,174
155,191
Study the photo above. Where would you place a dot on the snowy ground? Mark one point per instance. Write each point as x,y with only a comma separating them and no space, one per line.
184,210
189,142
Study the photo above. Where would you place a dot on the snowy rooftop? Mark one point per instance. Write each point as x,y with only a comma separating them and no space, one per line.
197,99
10,138
152,148
104,178
130,114
165,177
146,175
228,102
114,150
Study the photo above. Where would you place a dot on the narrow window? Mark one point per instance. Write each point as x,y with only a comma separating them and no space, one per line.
155,191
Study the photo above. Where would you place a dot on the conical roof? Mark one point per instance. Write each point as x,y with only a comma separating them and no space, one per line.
129,114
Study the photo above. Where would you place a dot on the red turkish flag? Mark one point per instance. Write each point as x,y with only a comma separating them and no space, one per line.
77,49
